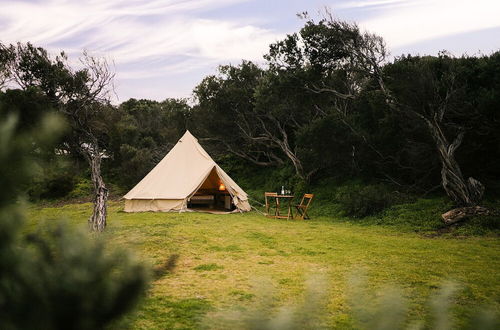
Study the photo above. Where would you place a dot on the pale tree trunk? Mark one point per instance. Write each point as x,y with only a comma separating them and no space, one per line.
287,150
97,221
292,155
462,213
280,140
463,192
273,132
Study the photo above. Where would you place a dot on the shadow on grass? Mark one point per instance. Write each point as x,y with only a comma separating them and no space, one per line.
165,268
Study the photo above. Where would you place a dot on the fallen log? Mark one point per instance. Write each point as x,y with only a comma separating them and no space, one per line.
462,213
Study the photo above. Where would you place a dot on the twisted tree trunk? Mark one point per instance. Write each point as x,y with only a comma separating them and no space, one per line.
466,194
462,192
97,221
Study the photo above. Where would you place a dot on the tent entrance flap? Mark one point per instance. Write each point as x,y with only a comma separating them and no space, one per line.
212,194
212,182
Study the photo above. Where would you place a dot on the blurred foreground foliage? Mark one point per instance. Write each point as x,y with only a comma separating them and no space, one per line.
56,277
386,309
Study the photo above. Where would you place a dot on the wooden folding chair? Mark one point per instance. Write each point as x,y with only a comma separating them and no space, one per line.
304,205
269,197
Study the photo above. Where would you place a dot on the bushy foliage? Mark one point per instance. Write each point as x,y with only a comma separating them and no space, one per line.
54,178
73,281
54,278
362,201
81,189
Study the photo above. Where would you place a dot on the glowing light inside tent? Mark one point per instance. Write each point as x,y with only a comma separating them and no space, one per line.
222,187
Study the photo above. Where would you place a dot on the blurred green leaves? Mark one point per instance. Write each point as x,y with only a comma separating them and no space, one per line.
384,308
57,277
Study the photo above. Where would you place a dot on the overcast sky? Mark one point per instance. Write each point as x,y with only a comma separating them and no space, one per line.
163,48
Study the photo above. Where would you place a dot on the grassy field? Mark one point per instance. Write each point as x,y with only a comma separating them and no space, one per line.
229,264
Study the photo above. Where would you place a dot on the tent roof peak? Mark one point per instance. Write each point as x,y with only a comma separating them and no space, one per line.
188,134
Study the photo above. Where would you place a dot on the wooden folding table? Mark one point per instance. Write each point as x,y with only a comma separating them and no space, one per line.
284,201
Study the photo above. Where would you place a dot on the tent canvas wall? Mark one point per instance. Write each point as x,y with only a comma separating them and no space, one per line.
184,171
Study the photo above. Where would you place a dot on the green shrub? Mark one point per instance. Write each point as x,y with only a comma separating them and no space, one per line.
479,226
423,214
83,188
75,282
359,202
58,187
52,178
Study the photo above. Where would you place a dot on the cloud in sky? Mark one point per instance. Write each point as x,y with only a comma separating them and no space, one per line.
141,36
163,48
132,30
406,22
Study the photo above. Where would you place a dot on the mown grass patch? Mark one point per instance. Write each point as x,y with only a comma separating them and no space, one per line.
207,267
242,295
167,313
239,252
228,248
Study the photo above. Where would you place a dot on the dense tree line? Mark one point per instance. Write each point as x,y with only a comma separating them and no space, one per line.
328,103
331,104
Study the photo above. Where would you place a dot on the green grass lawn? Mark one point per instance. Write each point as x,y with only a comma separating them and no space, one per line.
229,263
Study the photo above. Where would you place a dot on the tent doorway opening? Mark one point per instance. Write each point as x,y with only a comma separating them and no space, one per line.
212,196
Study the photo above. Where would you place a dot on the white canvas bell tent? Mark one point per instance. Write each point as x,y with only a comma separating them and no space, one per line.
185,177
